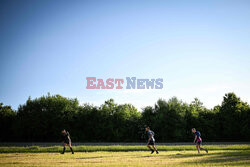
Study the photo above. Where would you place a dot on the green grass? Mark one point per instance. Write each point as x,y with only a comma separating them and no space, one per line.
173,156
116,148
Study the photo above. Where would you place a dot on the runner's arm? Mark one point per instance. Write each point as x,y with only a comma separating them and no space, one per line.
151,135
195,138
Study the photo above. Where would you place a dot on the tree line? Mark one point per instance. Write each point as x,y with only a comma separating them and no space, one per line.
42,119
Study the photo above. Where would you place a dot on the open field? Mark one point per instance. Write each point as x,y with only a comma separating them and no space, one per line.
236,155
50,144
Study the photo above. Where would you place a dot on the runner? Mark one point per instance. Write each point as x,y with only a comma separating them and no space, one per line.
151,140
66,141
198,140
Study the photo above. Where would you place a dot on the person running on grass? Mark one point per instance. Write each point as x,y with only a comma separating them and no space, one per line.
151,140
198,140
66,141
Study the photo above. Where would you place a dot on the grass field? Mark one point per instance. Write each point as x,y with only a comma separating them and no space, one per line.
230,155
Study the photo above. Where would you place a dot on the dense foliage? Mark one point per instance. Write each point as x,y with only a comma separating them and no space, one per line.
43,118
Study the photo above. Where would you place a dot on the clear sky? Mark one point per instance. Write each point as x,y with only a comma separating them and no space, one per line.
200,48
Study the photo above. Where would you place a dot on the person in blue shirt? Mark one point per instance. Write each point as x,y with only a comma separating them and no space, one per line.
198,140
151,140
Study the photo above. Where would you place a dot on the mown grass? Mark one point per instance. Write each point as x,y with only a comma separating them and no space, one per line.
116,148
184,158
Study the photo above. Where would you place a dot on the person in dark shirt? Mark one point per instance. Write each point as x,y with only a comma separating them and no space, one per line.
198,140
66,141
151,140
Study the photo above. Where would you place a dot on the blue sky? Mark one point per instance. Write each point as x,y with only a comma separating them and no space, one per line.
200,48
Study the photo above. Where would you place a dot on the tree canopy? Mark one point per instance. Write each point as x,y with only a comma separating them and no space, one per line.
42,119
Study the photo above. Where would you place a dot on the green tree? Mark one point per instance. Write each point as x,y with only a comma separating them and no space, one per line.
231,112
43,118
7,117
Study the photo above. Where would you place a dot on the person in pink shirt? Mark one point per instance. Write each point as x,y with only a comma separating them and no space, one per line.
198,140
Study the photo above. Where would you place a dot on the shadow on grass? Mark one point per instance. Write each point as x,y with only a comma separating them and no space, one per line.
237,158
92,157
145,156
